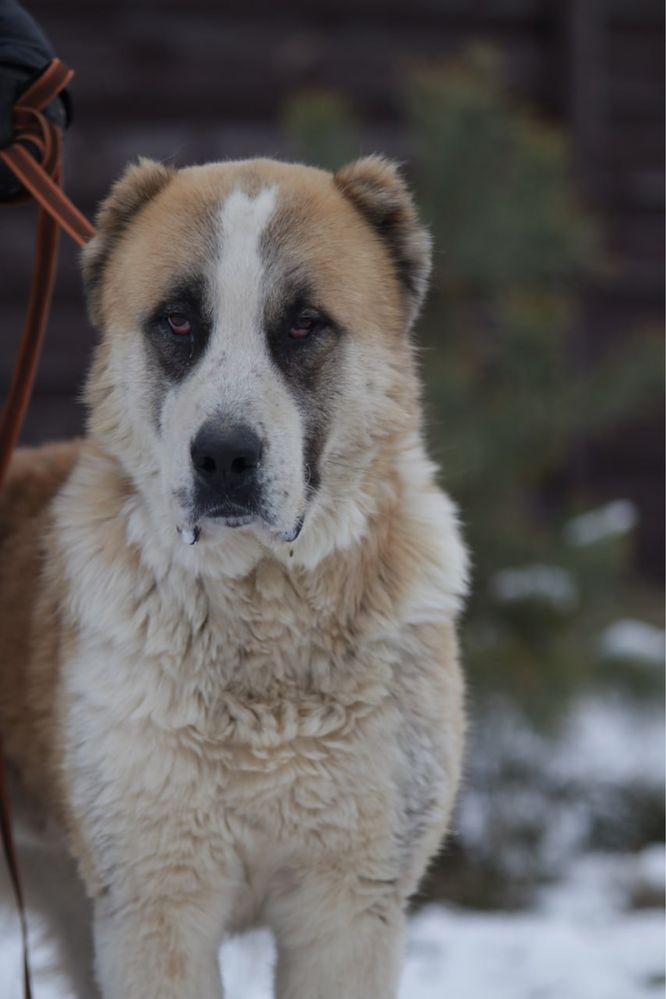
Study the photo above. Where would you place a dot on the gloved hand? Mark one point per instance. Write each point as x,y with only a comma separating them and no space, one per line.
24,54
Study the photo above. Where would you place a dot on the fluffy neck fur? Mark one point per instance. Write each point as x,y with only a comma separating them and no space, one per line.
117,549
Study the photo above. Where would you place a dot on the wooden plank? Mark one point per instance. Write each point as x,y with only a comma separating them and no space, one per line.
52,418
479,13
635,13
68,347
206,75
635,101
587,64
637,55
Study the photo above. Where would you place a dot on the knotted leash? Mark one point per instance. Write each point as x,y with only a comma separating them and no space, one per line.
41,178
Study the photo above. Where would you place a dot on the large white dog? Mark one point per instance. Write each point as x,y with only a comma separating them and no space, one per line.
228,667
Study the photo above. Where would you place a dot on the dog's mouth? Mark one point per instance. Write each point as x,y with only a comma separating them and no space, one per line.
224,516
228,518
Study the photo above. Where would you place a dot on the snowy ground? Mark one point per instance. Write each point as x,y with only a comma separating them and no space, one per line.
582,938
580,942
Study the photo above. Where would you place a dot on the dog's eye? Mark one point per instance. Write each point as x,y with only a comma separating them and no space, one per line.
179,323
302,327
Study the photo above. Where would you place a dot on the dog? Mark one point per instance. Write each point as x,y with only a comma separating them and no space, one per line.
229,681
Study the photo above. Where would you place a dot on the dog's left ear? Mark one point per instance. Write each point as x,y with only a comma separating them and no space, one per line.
377,190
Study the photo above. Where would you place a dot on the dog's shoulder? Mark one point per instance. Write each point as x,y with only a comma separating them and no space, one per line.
34,477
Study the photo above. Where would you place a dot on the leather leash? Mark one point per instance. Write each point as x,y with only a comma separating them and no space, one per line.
42,179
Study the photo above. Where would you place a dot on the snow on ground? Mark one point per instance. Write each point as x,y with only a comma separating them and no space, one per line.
533,956
579,943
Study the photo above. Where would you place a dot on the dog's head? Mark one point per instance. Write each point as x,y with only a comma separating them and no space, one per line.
254,320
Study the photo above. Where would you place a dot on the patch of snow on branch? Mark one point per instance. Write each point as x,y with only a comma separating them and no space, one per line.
632,639
608,521
548,584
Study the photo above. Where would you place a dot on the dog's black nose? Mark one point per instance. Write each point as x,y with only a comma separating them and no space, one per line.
226,460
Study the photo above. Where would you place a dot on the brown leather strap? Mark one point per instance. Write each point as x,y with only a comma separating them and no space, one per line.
41,178
12,865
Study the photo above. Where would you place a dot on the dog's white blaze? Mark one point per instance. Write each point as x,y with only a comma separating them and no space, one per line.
237,348
236,380
240,275
237,344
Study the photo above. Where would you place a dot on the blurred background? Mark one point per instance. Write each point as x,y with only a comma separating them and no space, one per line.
532,132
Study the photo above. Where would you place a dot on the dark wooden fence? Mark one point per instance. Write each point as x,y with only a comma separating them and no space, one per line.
193,80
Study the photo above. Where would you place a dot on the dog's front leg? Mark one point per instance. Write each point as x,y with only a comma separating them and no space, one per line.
331,947
158,947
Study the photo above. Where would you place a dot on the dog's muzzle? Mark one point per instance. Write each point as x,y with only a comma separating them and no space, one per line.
226,463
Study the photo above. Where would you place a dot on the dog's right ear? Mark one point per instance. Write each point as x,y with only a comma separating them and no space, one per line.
138,185
377,190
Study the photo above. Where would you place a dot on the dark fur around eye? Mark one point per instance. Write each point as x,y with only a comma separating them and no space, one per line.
298,357
177,354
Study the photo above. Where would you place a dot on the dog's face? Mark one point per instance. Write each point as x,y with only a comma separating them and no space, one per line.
254,319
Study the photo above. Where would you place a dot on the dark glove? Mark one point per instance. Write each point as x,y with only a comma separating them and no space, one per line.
25,52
